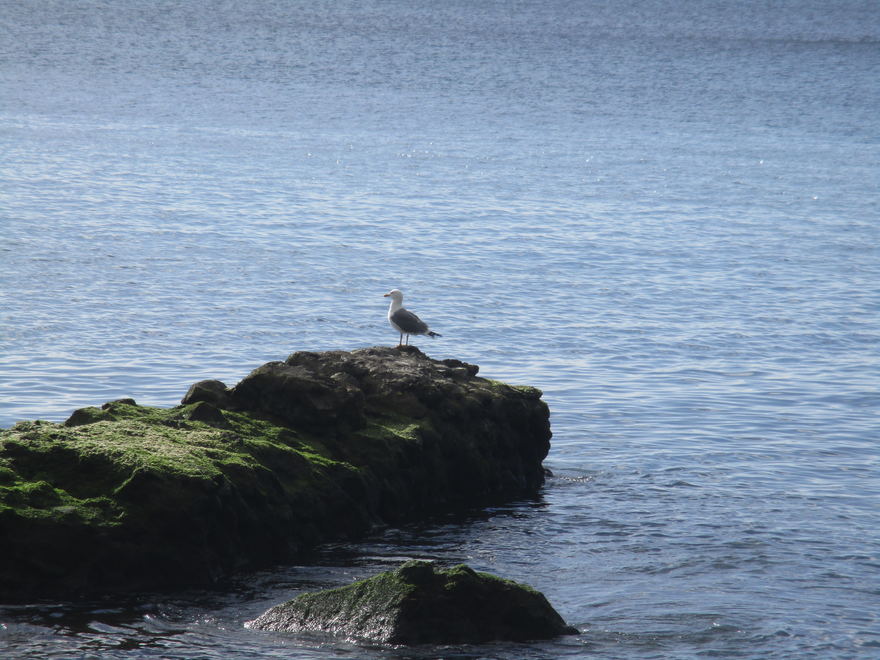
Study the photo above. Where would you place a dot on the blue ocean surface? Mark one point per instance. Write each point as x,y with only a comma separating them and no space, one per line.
664,215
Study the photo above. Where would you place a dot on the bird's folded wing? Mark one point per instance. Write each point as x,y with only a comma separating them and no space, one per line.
409,322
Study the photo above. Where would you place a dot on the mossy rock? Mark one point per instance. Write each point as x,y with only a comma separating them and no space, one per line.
322,446
421,604
146,498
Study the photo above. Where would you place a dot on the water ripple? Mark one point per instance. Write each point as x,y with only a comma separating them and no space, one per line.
662,215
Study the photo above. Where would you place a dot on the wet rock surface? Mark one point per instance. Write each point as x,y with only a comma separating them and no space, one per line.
321,446
420,603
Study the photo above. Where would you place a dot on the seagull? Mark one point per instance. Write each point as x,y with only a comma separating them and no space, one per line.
403,320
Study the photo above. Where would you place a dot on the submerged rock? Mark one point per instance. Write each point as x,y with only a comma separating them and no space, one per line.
321,446
421,604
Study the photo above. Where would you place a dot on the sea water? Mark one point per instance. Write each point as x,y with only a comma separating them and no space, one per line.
664,215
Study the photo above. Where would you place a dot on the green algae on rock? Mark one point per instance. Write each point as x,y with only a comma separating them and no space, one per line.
143,498
321,446
421,604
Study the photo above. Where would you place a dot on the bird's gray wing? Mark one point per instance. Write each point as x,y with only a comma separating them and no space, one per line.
409,322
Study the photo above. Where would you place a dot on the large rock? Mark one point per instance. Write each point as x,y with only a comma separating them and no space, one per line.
321,446
420,604
468,437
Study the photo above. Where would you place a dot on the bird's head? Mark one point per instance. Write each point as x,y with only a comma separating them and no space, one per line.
394,294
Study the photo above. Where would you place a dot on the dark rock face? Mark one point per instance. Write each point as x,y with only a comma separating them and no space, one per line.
420,604
469,438
303,396
322,446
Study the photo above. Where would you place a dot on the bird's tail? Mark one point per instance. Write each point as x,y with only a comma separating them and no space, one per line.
433,334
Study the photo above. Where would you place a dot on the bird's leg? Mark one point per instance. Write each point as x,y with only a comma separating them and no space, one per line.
400,343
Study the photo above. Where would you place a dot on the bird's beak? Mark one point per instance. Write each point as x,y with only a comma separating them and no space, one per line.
386,295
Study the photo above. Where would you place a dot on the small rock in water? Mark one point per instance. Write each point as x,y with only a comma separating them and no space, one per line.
421,604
